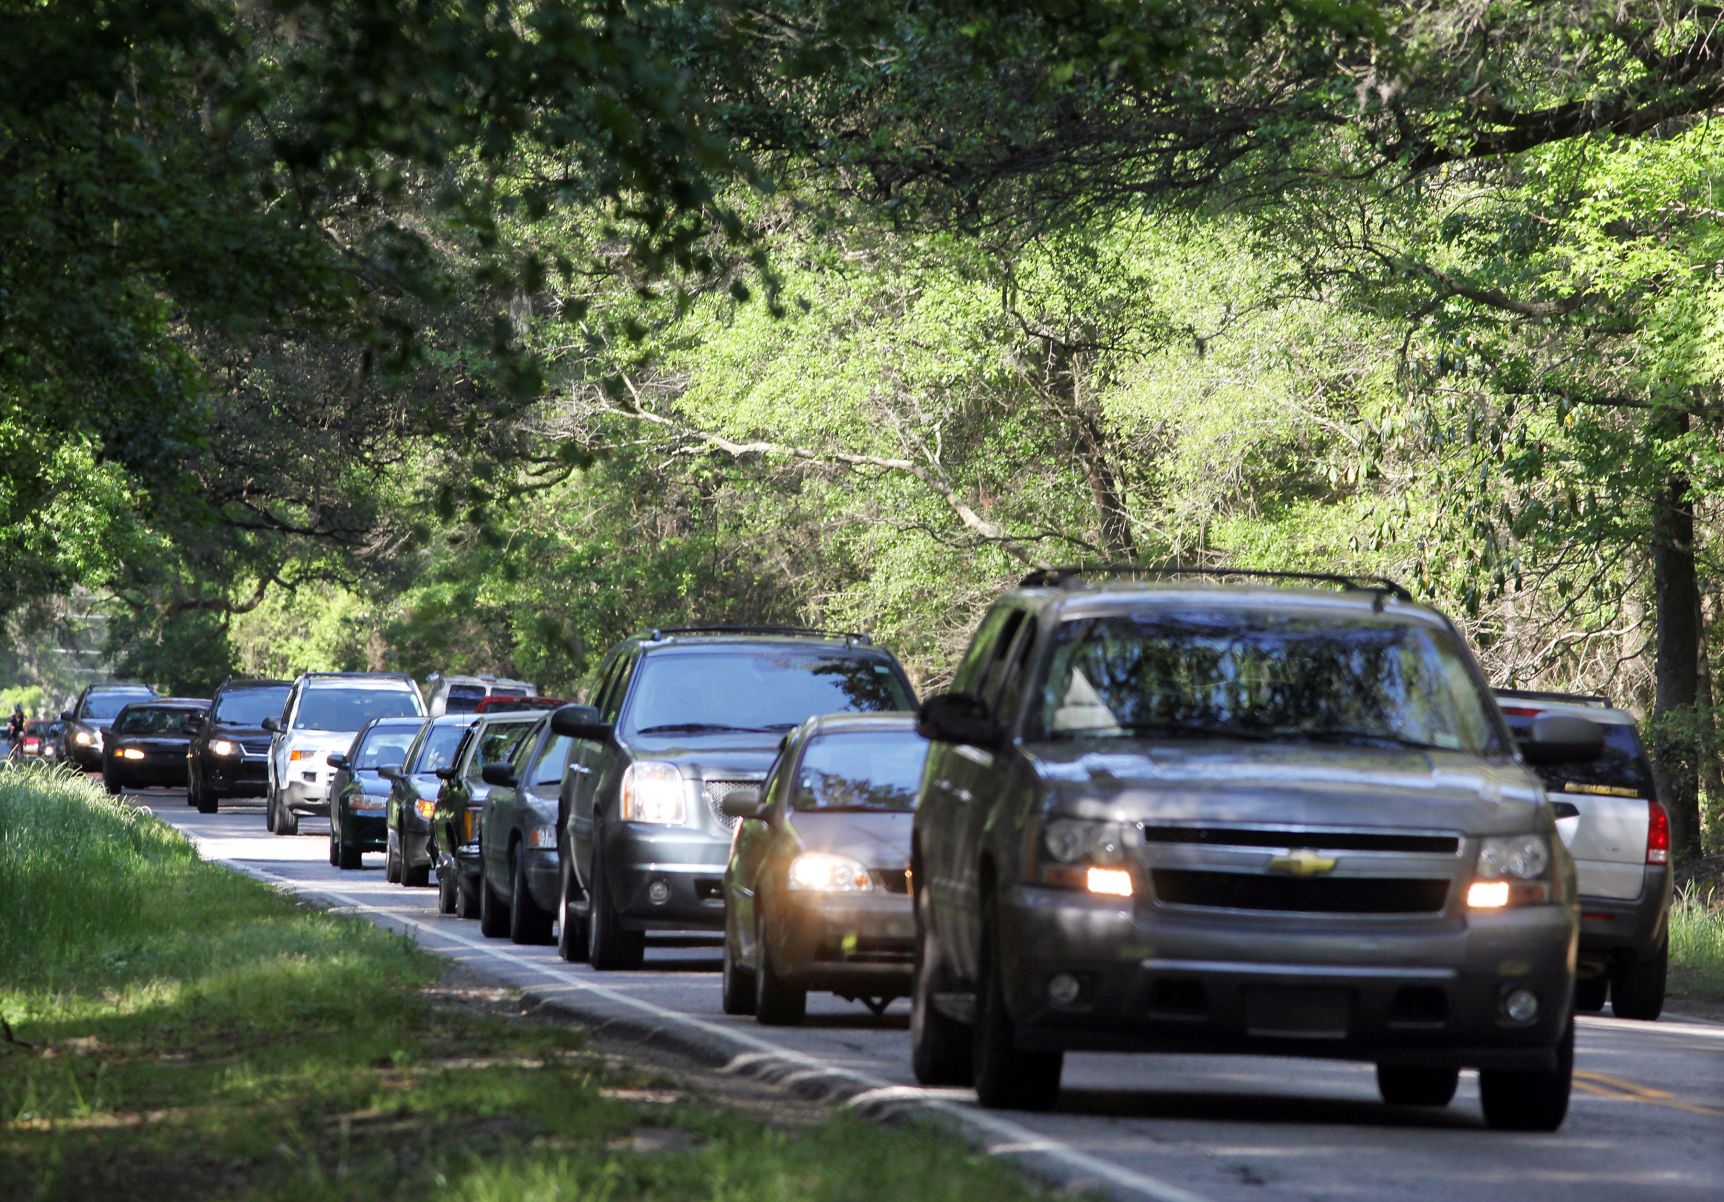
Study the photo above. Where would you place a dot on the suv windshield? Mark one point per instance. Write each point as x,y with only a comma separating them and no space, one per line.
107,703
154,720
1260,675
757,689
349,709
249,707
384,746
871,771
463,698
438,750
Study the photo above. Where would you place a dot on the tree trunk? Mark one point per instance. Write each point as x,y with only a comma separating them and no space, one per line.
1676,596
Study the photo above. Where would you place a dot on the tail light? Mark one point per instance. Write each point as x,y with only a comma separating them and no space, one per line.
1521,711
1657,834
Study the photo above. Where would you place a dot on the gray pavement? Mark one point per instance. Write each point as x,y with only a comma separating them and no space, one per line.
1647,1120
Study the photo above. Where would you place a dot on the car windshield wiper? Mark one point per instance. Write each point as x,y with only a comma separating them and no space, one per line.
1364,738
693,728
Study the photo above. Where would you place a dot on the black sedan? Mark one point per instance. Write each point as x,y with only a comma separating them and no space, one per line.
229,757
492,739
147,743
413,795
816,891
359,790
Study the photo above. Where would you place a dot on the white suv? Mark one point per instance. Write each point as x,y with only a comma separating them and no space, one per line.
323,713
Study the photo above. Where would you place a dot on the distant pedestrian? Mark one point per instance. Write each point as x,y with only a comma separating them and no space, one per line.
15,724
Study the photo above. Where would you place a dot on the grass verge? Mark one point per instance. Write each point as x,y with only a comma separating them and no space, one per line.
179,1031
1697,947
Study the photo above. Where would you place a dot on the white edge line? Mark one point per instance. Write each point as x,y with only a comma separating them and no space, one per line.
1014,1138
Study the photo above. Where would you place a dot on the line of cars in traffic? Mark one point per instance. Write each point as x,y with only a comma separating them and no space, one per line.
1236,812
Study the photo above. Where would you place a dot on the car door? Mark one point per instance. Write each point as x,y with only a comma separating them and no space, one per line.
593,766
278,741
755,843
497,819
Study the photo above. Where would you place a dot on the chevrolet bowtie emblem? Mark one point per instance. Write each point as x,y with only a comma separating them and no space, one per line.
1303,862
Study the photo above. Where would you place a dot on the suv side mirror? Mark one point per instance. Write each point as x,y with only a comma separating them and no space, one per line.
390,771
1562,738
448,773
580,722
272,725
744,803
336,759
500,775
958,718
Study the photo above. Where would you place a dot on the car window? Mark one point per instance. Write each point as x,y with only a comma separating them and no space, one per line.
463,698
249,707
548,769
757,689
340,708
613,687
873,770
1621,767
107,704
1263,675
497,744
153,720
437,748
384,746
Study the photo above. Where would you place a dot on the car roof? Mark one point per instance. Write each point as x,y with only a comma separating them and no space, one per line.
182,703
1182,595
363,680
119,686
451,720
237,683
1581,705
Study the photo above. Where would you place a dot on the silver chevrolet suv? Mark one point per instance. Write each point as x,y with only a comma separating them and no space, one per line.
1259,813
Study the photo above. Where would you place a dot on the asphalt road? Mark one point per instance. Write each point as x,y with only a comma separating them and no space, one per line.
1647,1120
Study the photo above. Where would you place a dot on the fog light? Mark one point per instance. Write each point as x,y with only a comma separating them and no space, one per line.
1064,989
1521,1005
1487,895
658,893
1110,882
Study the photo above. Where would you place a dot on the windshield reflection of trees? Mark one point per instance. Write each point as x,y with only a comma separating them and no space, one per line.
1261,677
861,772
758,690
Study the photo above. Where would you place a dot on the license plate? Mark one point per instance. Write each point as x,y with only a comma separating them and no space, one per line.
1298,1011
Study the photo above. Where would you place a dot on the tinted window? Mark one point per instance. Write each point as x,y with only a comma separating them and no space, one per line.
463,698
496,745
504,690
549,769
384,746
1620,768
153,720
757,689
1262,675
249,707
349,709
105,705
876,770
438,750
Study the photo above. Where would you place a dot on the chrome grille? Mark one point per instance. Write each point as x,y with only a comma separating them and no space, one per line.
716,791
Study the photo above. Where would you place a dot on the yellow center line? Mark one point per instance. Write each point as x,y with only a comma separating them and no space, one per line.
1601,1085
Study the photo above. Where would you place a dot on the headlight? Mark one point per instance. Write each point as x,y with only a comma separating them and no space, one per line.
366,801
541,836
129,753
1079,853
653,792
224,747
828,873
84,739
1511,870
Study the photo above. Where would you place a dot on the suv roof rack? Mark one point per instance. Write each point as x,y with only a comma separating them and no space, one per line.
1598,699
659,633
1081,574
367,675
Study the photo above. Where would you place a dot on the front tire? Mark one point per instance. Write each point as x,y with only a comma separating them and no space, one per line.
610,946
466,895
493,914
1590,992
287,821
940,1046
571,927
446,890
391,859
777,1003
207,802
1637,986
1409,1085
738,982
113,786
1007,1077
528,924
1517,1100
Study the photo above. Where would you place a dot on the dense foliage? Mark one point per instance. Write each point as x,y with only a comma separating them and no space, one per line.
473,334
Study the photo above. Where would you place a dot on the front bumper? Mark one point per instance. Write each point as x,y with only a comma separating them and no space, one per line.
690,864
367,830
150,772
1424,992
861,944
230,776
306,791
1612,929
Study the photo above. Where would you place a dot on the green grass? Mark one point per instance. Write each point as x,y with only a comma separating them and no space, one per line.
184,1032
1697,946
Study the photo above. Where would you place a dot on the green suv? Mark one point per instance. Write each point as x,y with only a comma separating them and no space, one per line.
1249,813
